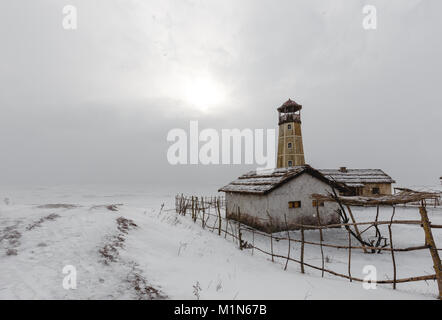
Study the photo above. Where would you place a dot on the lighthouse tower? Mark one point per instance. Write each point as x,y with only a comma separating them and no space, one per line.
290,149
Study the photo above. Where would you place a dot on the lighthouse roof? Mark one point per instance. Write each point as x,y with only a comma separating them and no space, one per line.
290,106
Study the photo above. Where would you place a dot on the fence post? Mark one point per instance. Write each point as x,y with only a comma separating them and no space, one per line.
193,208
288,236
392,256
233,231
432,246
392,249
227,225
319,219
302,249
219,217
320,236
239,229
196,209
349,256
356,228
253,240
204,212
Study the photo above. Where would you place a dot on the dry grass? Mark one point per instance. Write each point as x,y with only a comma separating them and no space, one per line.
143,289
124,225
110,254
11,252
57,206
110,207
12,239
38,223
110,250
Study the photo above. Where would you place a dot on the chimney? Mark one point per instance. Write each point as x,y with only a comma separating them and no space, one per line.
343,169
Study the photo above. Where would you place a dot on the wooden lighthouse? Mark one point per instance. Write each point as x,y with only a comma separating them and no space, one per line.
290,149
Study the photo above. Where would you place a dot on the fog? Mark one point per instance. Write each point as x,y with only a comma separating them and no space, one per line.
95,104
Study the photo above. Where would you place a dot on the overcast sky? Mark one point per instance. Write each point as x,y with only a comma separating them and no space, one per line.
94,105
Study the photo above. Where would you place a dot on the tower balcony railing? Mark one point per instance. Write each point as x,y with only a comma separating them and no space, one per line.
289,117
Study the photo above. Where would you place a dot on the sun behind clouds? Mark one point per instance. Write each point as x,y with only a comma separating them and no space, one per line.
204,93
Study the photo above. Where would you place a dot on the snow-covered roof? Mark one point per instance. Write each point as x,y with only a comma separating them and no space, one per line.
264,181
357,177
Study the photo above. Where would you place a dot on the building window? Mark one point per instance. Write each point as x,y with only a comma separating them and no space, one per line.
289,127
315,203
375,190
290,163
289,145
294,204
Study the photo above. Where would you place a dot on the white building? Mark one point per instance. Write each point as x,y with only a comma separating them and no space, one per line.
265,199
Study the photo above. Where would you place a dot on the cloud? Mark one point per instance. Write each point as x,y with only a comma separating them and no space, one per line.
95,104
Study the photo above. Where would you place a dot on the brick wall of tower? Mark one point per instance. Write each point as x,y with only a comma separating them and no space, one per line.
293,136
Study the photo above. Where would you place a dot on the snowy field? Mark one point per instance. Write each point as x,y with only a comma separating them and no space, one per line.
139,250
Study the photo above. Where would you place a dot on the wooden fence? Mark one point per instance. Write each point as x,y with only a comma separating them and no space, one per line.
207,212
429,202
195,203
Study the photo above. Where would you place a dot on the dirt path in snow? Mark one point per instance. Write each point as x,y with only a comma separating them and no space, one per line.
36,245
110,254
10,239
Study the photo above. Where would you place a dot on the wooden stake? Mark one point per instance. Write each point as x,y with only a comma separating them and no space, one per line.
253,240
239,229
392,249
319,219
195,215
288,236
204,213
193,207
392,257
349,256
321,239
227,224
219,218
302,249
184,205
356,227
433,249
233,231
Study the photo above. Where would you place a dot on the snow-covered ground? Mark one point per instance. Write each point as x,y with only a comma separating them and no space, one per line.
168,256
